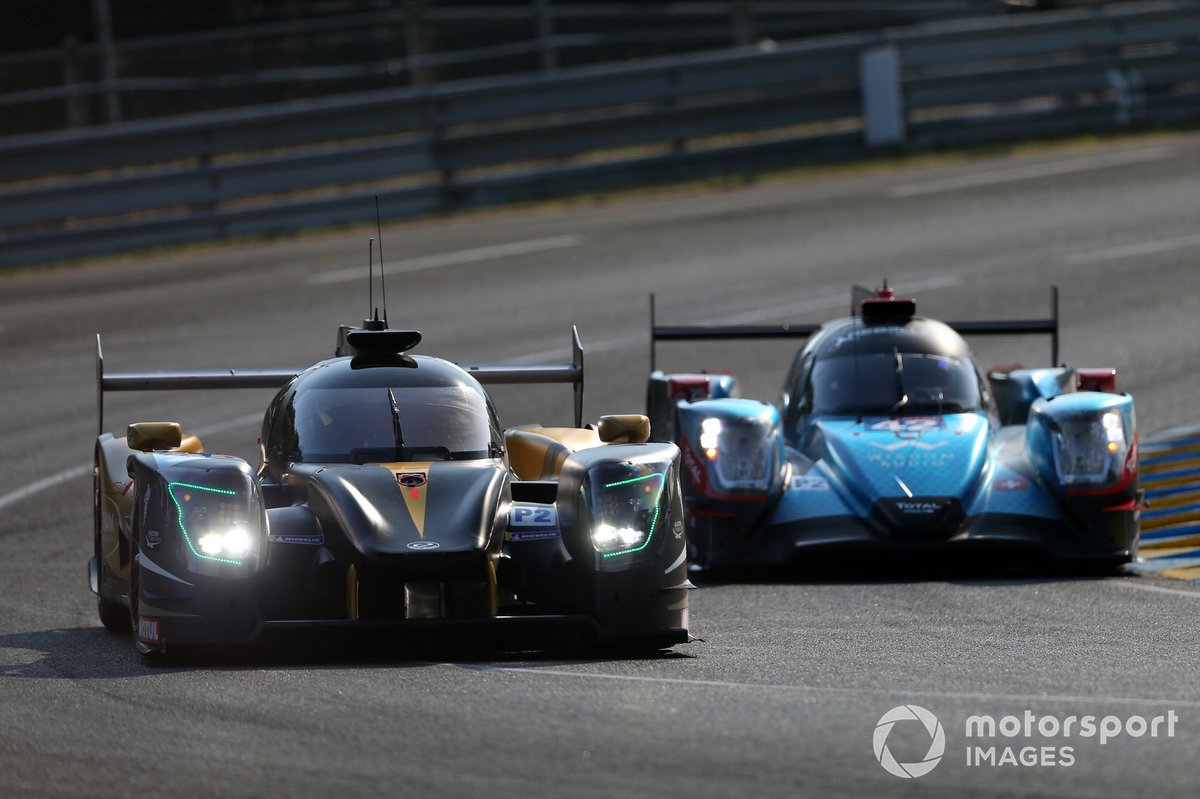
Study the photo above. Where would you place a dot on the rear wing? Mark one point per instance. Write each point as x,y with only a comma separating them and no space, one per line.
198,379
512,373
1003,327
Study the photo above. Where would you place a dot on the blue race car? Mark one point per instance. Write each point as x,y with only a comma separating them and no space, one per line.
888,441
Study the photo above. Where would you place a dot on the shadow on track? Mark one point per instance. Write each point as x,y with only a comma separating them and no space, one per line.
95,653
1013,570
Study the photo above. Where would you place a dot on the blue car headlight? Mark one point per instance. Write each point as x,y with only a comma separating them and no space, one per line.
1089,448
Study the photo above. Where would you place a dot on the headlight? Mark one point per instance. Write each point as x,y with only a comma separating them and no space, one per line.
216,523
626,502
710,438
234,542
1089,448
745,454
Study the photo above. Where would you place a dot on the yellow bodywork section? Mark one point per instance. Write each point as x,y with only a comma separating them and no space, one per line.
114,496
538,453
414,496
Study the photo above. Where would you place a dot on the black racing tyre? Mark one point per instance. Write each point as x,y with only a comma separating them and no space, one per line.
134,588
112,614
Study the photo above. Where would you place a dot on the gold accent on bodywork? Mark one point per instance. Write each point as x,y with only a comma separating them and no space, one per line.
627,428
152,436
352,593
538,453
493,589
414,496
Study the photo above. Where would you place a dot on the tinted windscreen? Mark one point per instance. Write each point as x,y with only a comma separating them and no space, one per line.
362,425
886,383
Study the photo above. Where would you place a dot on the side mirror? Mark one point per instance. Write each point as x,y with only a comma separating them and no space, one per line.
630,428
152,436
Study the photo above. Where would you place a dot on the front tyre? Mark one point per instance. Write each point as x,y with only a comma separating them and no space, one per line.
112,614
135,595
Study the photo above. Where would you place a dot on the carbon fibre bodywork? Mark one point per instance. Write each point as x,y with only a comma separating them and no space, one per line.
385,501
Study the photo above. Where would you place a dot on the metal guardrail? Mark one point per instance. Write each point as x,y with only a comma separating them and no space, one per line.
286,167
410,42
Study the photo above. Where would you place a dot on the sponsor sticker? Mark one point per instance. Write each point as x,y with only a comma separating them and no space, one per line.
910,424
297,539
919,508
533,535
694,468
1012,484
148,631
810,483
899,445
424,545
523,517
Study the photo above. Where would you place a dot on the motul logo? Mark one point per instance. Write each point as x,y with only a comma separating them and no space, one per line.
148,630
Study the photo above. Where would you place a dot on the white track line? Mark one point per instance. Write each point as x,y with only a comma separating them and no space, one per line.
745,318
1030,172
821,689
79,471
470,256
1132,250
1158,589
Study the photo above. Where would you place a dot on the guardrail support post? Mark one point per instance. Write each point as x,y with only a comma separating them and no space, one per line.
882,101
102,13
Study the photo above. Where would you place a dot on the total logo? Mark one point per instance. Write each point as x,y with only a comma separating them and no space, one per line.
919,508
933,727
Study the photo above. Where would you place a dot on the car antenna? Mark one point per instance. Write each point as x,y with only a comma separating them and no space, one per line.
372,321
382,283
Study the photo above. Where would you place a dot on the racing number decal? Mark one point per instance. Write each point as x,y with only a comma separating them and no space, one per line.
523,517
532,522
810,483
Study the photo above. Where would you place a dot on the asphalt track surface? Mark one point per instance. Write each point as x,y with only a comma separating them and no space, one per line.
783,695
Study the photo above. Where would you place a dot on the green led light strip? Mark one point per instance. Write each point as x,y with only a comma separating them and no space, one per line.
662,482
186,536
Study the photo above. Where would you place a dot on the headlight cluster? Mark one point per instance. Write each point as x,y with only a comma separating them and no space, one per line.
234,542
216,523
609,539
743,449
626,502
1089,448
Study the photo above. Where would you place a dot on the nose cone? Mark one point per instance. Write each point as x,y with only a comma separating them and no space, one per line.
936,456
409,509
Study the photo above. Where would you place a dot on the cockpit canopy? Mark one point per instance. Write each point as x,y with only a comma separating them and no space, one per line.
894,383
856,368
406,409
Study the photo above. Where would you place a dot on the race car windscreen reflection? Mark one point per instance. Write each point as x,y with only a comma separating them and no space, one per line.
894,383
363,425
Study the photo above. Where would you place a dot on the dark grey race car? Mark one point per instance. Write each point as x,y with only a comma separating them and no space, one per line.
388,498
